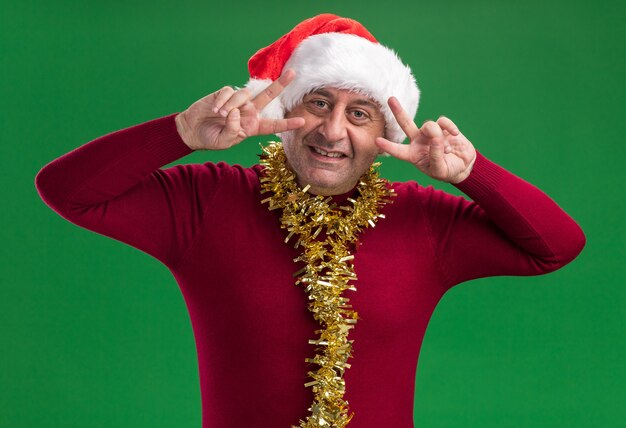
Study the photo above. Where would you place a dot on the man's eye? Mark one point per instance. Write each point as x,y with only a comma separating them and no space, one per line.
359,114
319,103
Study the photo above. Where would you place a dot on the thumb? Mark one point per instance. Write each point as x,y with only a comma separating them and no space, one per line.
438,166
230,134
436,150
232,125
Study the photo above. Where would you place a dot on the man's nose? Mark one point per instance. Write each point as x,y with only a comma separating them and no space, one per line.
334,126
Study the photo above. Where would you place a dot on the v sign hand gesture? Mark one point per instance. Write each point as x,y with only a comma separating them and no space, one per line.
227,117
438,149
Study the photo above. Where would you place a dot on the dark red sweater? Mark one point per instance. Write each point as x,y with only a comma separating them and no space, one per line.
205,222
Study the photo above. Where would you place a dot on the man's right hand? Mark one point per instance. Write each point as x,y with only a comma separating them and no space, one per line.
227,117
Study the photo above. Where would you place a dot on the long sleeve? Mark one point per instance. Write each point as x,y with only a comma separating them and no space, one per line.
113,186
510,228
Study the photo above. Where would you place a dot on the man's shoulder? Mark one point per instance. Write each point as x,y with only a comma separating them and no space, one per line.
222,170
407,188
409,192
213,175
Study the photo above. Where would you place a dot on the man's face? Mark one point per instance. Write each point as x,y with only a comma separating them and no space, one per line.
336,145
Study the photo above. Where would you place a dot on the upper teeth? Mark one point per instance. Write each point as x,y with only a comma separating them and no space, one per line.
324,153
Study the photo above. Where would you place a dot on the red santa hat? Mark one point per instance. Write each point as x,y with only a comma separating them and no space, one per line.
330,51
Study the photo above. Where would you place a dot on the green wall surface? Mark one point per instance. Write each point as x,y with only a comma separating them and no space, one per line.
95,333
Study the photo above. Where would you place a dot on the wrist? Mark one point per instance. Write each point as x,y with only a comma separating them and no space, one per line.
464,174
183,129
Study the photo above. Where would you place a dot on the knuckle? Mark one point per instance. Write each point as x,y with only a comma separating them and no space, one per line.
275,127
431,126
226,90
270,91
221,91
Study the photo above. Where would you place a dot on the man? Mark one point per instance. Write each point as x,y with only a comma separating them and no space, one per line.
236,239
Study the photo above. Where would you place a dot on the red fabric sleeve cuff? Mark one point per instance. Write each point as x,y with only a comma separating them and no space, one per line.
483,180
163,140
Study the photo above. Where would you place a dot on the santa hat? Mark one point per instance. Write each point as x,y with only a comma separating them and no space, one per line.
330,51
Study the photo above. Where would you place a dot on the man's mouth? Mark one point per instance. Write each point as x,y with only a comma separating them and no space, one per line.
325,153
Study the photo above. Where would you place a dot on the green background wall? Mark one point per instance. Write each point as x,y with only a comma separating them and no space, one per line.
95,333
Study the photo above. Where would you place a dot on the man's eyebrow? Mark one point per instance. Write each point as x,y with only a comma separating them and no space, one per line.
365,102
322,92
362,102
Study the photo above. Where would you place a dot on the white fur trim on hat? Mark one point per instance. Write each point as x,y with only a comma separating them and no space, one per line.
346,61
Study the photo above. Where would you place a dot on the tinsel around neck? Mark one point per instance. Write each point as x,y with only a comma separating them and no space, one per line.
328,270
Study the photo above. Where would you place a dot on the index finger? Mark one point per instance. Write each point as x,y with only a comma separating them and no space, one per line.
272,91
406,123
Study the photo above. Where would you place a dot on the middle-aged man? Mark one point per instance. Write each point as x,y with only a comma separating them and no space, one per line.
237,239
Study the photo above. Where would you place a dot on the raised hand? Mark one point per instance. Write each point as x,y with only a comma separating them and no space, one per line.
438,149
227,117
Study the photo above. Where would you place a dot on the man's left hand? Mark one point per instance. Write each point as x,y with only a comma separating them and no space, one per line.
438,149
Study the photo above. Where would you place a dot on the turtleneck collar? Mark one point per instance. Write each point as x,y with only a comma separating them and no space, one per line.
337,199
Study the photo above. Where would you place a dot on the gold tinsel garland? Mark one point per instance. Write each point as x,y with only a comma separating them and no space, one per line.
328,271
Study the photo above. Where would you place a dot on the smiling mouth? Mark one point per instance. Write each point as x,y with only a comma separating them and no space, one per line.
325,153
